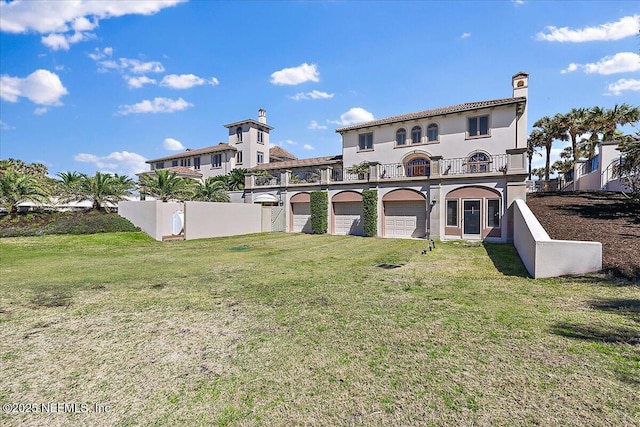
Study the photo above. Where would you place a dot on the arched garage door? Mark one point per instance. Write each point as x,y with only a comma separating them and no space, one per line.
405,214
300,213
347,213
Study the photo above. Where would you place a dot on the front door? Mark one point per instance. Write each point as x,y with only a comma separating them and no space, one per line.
471,217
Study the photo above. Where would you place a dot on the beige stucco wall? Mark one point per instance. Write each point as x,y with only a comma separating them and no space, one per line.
152,216
205,219
452,141
545,257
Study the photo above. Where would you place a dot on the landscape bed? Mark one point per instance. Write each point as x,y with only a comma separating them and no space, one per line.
299,329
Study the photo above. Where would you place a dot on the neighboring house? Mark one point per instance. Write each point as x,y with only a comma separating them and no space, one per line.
448,173
247,147
599,173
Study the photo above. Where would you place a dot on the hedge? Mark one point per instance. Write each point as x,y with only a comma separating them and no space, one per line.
319,207
370,212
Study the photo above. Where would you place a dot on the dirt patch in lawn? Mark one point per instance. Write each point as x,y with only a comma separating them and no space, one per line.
608,218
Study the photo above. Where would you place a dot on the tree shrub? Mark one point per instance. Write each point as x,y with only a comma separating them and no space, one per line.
319,205
370,212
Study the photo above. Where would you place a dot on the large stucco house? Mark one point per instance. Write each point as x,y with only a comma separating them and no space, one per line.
446,173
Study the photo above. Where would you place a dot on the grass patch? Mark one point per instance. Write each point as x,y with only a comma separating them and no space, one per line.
306,330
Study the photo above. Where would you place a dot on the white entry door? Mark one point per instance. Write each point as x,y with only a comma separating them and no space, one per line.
405,219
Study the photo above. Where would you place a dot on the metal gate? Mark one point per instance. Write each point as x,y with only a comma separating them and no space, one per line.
277,218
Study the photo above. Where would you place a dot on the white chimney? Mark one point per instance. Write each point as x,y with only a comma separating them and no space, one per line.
262,116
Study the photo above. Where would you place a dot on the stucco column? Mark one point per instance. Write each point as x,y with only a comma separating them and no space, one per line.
435,166
515,191
516,161
249,180
324,176
373,171
284,178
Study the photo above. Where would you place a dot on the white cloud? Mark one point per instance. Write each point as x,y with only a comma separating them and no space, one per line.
138,82
98,54
314,94
5,126
465,35
56,17
571,68
315,126
308,147
296,75
287,141
172,144
622,62
624,85
186,81
123,162
139,67
619,63
40,111
57,41
517,2
41,87
354,115
158,105
625,27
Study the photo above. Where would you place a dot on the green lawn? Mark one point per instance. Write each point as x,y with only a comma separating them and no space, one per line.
292,329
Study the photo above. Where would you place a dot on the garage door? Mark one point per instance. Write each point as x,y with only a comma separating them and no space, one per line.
348,218
301,217
405,219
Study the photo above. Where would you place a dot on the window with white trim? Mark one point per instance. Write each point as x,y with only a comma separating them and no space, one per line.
401,137
478,162
239,157
260,137
239,134
432,132
416,135
216,160
196,162
493,213
260,157
452,213
174,163
365,141
478,126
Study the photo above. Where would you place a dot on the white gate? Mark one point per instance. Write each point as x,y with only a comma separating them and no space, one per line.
277,218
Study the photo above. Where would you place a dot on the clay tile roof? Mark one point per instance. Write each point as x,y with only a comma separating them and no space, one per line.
434,112
281,153
180,170
315,161
188,153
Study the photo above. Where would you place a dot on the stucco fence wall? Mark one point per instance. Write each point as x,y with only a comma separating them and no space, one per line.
545,257
201,219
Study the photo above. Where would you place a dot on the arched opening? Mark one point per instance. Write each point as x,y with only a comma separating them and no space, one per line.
478,162
432,132
401,136
416,135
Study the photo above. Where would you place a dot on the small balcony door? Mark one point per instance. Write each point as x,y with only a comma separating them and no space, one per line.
471,218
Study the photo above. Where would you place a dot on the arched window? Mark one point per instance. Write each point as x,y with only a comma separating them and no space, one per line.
401,137
420,166
416,135
478,162
239,133
432,132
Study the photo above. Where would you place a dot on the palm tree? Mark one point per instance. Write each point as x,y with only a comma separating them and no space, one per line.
236,179
166,185
102,189
212,190
552,130
533,143
575,123
67,187
17,187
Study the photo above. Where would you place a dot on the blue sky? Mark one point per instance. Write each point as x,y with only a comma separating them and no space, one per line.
103,86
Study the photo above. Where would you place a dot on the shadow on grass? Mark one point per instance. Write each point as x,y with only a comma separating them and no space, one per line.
506,259
624,307
51,297
596,333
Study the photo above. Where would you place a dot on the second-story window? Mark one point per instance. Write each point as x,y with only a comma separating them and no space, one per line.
416,135
365,141
260,136
159,165
478,126
196,162
401,137
174,163
432,132
185,162
216,160
260,157
239,157
239,134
